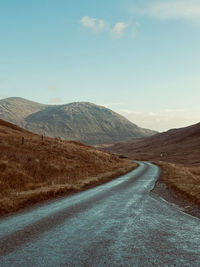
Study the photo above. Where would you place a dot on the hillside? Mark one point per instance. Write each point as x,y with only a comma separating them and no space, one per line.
33,169
16,109
80,121
176,145
177,152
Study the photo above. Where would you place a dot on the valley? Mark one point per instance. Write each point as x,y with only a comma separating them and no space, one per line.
176,151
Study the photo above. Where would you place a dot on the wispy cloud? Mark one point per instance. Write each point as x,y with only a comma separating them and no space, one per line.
55,100
172,9
109,105
118,29
94,24
52,89
162,120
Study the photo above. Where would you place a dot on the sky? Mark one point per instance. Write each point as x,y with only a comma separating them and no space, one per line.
140,58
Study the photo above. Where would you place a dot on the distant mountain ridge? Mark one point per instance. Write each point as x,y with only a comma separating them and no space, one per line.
176,145
81,121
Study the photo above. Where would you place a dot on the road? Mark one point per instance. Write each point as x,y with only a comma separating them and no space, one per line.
116,224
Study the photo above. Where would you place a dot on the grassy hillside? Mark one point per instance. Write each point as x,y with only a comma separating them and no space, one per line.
184,180
32,169
180,146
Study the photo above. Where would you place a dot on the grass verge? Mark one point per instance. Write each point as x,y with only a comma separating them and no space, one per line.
35,168
184,181
19,200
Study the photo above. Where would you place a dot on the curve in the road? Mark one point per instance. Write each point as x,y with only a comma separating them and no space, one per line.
115,224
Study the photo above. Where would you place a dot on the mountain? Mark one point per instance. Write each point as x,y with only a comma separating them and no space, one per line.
16,109
176,145
81,121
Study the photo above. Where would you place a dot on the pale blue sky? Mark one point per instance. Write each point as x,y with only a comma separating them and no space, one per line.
140,58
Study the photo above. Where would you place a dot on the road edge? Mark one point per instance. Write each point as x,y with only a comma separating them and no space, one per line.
106,177
161,190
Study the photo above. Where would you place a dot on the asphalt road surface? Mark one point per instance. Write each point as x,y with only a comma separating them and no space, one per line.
116,224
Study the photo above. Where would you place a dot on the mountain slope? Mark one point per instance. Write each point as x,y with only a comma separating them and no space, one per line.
81,121
16,109
38,169
176,145
177,152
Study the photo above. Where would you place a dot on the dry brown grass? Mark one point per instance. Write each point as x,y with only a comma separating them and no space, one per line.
181,146
179,151
38,170
185,181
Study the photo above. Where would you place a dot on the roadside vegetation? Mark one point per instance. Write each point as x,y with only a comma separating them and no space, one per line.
34,169
177,151
184,180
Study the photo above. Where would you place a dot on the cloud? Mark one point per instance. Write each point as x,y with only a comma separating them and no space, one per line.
162,120
118,29
173,9
109,105
55,100
52,89
97,25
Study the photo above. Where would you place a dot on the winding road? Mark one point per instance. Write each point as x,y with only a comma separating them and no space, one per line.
119,223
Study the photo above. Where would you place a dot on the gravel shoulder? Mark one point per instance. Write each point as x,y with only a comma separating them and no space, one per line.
162,190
